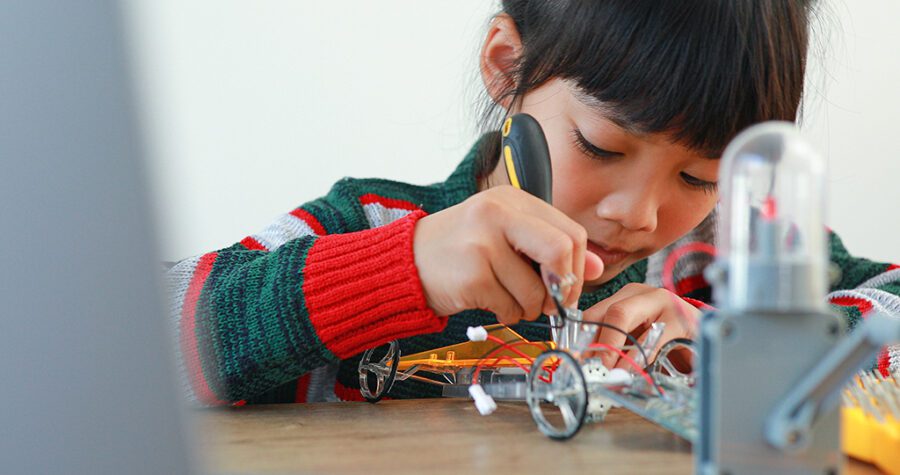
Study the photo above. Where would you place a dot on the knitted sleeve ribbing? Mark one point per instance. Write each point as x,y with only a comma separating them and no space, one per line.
861,286
318,285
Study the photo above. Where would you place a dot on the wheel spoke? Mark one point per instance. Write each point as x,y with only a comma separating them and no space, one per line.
379,384
558,404
565,408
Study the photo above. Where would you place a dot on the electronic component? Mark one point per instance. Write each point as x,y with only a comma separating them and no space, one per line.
769,283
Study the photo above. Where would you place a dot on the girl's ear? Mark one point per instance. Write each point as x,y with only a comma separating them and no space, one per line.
499,55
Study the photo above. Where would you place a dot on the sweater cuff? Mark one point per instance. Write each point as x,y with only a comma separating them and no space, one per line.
698,304
362,289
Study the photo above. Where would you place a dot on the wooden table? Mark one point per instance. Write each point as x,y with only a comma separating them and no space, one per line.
430,436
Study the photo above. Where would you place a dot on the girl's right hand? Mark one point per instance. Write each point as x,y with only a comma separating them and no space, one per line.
476,255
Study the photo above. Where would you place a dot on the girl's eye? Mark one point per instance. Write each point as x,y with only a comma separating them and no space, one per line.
591,149
706,186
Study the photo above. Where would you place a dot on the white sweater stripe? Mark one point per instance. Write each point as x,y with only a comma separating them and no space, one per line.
378,214
286,228
177,280
882,279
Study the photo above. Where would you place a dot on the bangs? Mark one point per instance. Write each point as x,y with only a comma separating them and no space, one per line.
698,71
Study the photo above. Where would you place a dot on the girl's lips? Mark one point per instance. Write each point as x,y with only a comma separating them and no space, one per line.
608,256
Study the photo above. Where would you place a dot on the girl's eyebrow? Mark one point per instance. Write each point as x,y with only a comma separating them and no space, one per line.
607,112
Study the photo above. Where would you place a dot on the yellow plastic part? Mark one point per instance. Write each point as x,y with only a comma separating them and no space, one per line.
866,439
461,355
511,167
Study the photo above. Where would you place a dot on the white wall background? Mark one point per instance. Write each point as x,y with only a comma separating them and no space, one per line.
253,108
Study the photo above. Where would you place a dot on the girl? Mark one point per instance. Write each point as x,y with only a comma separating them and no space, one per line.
637,100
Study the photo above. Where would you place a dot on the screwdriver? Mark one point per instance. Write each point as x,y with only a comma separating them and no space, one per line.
527,156
527,159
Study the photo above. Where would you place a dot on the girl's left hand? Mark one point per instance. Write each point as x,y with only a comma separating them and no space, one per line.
633,309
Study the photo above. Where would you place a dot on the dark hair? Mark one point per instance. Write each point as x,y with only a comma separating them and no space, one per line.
697,70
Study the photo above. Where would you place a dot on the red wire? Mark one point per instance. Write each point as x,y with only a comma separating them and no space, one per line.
512,347
503,346
550,369
630,361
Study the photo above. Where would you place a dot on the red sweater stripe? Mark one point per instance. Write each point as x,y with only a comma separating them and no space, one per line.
252,244
884,362
863,305
310,221
690,284
362,289
698,304
189,350
345,393
302,388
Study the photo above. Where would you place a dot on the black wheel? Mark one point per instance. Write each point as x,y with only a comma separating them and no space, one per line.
557,394
377,370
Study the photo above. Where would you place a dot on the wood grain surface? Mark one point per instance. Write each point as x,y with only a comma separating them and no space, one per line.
430,436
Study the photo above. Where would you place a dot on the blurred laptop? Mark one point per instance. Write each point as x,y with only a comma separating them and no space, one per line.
85,381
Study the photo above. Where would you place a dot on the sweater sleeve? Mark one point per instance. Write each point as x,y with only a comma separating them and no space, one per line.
860,286
306,291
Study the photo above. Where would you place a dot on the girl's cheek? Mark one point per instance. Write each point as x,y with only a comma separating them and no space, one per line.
680,219
569,179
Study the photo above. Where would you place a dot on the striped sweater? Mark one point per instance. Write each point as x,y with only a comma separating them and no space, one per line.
283,315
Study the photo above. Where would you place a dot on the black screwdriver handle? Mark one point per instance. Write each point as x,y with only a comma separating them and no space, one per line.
527,157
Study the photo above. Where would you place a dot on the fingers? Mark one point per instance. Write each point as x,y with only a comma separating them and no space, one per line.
492,296
618,316
520,281
577,240
547,245
634,308
598,311
670,332
593,266
471,255
673,329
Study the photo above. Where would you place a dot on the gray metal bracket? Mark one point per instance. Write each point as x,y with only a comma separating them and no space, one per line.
748,363
788,426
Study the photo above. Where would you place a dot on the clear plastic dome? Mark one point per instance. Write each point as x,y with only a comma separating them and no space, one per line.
771,229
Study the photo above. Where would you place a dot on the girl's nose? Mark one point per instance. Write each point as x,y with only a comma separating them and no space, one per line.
635,209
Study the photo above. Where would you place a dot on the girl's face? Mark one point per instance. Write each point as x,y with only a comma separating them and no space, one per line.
633,193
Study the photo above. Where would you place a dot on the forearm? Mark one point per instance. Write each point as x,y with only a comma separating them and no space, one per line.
250,320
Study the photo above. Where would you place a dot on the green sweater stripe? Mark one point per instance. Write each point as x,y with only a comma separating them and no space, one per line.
251,325
853,271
